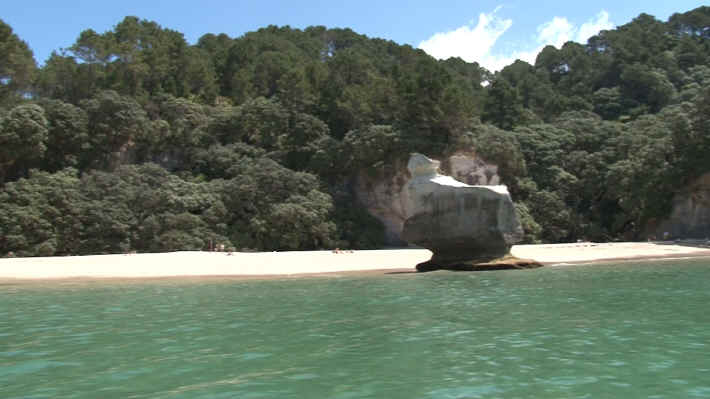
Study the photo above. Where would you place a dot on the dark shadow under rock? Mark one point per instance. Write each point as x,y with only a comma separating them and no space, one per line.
503,263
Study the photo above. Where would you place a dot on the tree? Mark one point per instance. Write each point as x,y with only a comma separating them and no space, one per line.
641,179
369,148
499,146
217,49
432,110
693,23
140,58
252,141
185,130
261,122
304,137
272,207
39,215
222,161
300,222
63,78
502,107
648,87
145,208
114,123
67,137
608,102
691,128
23,139
17,66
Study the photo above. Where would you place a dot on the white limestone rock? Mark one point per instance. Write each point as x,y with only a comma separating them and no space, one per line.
457,221
385,195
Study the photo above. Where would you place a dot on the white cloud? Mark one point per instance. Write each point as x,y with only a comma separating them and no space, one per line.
469,43
594,26
557,32
476,43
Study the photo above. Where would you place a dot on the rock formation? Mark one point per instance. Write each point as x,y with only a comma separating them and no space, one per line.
690,217
385,195
466,227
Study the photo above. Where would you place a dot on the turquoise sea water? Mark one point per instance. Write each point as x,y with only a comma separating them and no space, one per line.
627,331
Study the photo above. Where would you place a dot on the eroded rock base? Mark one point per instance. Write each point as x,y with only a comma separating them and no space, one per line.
504,263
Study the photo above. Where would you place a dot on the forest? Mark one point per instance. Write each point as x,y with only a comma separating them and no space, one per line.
135,140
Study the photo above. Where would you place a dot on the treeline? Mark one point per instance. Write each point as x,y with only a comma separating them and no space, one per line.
133,139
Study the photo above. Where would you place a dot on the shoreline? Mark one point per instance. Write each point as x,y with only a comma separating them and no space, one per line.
298,264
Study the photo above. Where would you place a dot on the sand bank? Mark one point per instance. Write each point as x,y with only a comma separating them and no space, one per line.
265,264
598,252
192,264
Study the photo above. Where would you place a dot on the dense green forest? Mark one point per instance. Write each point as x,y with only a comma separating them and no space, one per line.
135,140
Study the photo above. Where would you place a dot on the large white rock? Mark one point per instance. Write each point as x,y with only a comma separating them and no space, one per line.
385,194
457,221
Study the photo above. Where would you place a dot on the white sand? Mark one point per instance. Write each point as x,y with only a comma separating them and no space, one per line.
191,264
591,252
209,264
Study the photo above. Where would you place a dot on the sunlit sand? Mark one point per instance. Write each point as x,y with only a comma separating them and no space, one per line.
195,264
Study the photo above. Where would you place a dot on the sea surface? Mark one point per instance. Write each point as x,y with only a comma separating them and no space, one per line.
629,330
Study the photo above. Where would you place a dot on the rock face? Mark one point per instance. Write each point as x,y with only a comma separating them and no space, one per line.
470,169
463,225
690,217
385,196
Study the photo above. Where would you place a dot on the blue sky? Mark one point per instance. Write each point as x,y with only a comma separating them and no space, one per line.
492,33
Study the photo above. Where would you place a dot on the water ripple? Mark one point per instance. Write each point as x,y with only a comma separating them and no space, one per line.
603,331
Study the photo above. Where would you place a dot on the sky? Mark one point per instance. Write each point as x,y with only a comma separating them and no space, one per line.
493,33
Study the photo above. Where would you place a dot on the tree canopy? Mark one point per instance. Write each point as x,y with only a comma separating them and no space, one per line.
134,139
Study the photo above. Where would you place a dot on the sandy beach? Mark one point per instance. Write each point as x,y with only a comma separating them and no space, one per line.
294,264
586,252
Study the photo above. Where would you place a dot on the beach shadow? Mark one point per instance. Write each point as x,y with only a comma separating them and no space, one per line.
402,272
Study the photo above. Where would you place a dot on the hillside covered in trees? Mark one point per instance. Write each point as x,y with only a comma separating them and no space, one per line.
133,139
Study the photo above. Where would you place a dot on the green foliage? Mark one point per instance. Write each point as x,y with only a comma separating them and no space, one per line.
114,122
140,58
641,180
17,66
223,161
63,78
179,128
502,106
608,102
372,147
356,227
260,123
40,215
692,23
260,198
499,146
252,141
300,222
68,135
531,228
145,208
23,138
649,87
567,162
